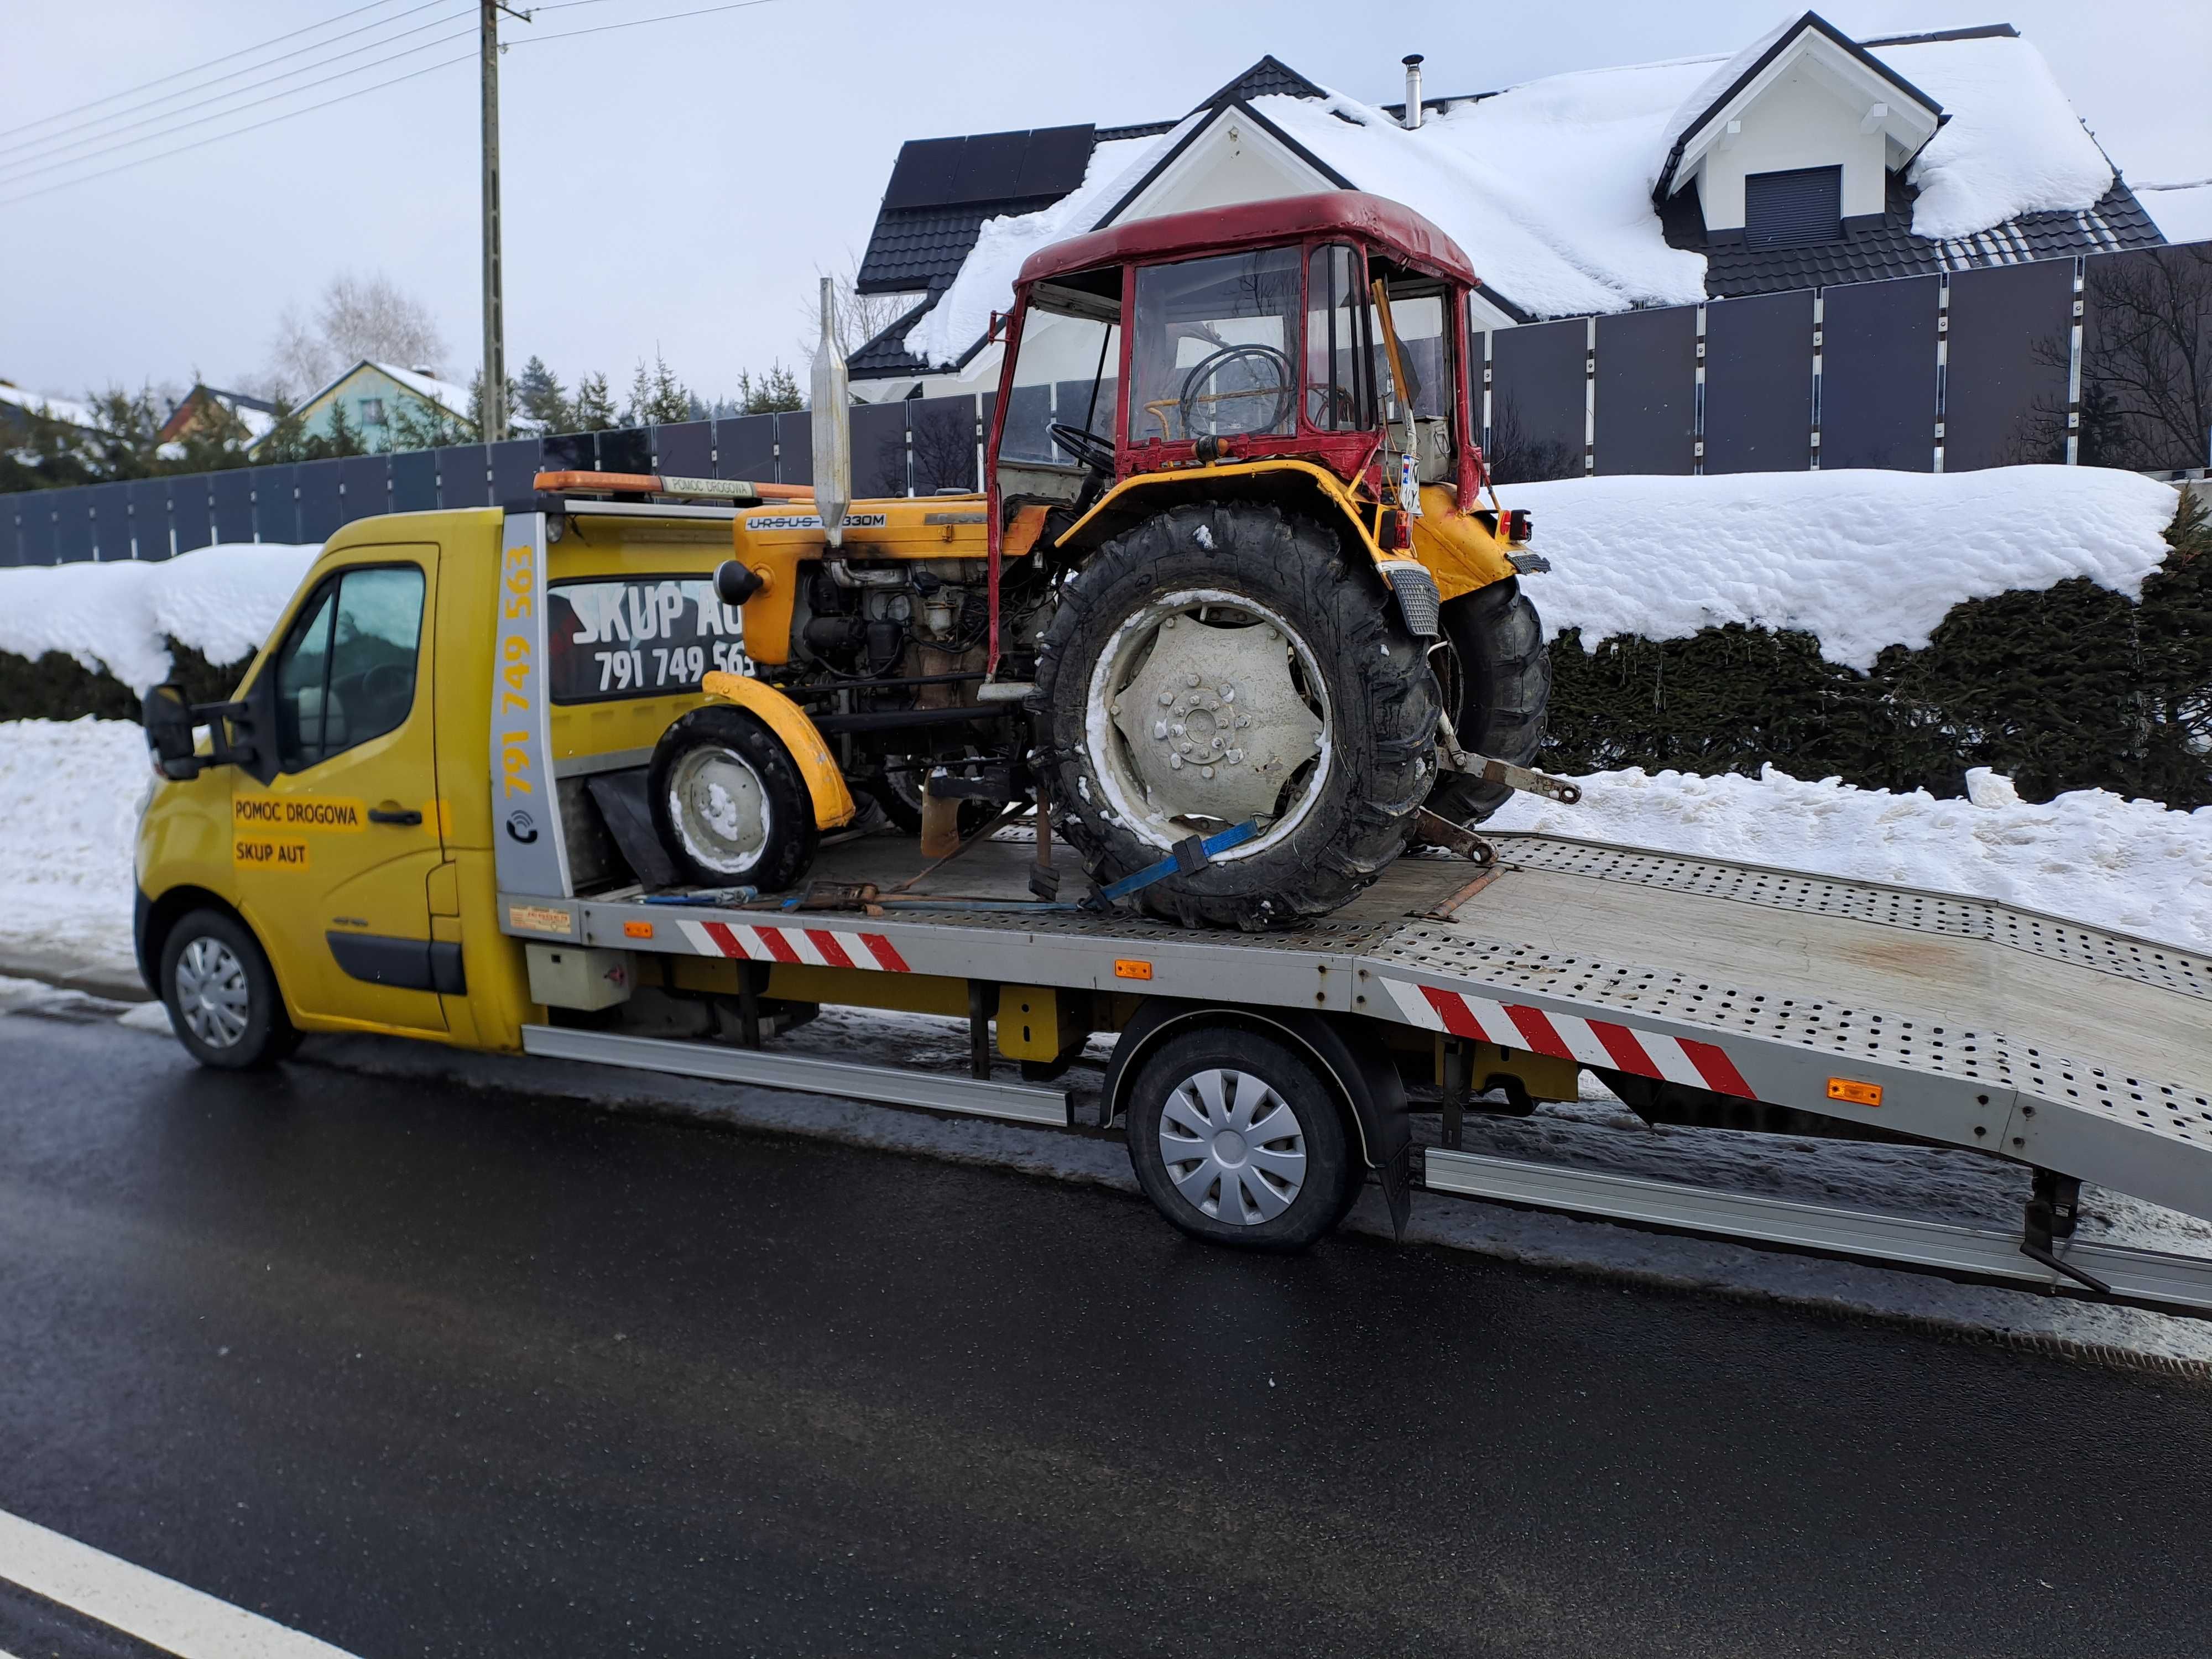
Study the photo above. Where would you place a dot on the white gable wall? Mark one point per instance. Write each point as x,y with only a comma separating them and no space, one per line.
1798,122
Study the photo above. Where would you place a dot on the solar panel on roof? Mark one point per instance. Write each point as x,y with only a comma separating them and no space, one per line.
989,166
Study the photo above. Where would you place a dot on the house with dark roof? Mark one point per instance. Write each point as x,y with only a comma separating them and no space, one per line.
1805,159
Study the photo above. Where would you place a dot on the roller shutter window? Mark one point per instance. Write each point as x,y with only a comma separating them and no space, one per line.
1793,208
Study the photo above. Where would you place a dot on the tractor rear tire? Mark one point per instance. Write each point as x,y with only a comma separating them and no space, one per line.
1343,813
1504,690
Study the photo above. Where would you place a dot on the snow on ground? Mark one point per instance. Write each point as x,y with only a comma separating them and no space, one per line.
2135,865
1864,559
2013,144
73,789
220,601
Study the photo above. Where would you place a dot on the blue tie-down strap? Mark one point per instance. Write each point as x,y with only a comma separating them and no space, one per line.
1189,856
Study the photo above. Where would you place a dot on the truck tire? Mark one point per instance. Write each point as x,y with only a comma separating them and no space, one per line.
1238,1140
1505,689
729,803
1332,750
222,994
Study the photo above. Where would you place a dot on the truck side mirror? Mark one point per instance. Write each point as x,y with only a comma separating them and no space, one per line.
167,718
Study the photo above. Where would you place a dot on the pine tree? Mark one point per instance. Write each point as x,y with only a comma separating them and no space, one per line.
773,393
539,397
657,398
594,408
476,398
341,439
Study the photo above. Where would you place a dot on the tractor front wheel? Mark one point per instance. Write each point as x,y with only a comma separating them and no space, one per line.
1224,665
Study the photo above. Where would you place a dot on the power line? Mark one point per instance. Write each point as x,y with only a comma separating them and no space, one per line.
163,79
235,92
637,22
21,172
216,138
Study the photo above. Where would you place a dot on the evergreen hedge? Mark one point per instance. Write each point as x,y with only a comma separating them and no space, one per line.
2072,687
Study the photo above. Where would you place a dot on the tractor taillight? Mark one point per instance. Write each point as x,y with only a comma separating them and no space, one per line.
1518,526
1396,533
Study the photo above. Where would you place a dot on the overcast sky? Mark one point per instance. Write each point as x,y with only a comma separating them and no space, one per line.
678,186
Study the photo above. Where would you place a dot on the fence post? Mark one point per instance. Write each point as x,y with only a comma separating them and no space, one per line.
1943,357
1819,315
1698,405
1590,397
2074,366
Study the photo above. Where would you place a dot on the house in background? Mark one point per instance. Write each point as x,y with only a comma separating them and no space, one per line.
206,408
1805,159
384,403
19,409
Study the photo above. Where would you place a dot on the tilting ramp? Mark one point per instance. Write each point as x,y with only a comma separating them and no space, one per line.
1982,1025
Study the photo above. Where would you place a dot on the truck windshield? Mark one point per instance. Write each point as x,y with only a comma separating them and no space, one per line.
1213,346
1066,371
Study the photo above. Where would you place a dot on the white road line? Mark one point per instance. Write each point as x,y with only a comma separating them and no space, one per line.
170,1616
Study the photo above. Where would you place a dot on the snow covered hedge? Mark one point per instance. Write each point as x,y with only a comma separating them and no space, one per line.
1889,628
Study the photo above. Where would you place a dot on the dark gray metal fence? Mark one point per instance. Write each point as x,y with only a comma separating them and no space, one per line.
2086,360
918,446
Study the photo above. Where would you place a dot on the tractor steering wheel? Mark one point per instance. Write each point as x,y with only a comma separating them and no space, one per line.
1088,447
1284,391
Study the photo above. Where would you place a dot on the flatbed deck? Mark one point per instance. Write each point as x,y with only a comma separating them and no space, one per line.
2046,1041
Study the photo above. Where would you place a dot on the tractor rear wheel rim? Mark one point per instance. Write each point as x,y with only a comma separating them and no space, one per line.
1208,709
1232,1145
212,993
720,809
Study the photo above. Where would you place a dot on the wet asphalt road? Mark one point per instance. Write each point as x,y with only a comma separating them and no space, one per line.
426,1371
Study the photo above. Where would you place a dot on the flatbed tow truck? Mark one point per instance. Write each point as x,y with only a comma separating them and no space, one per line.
1700,990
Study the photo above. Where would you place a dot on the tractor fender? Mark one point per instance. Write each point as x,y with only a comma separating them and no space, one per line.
825,783
1353,1060
1285,482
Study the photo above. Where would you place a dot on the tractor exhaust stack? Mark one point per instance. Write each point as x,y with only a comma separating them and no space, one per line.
832,425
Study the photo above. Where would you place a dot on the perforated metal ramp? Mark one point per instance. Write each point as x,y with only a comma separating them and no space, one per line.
2037,1039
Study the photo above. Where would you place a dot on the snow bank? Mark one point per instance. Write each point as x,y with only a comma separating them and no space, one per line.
1864,559
986,281
2130,864
73,789
2013,144
220,601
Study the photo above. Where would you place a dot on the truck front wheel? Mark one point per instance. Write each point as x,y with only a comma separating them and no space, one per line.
1239,1141
221,993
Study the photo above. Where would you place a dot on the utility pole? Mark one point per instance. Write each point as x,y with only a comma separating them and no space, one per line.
494,322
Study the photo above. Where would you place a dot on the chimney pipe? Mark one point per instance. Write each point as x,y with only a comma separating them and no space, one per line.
1412,91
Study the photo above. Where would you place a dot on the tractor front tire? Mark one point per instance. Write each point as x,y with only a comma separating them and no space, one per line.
1504,680
1292,673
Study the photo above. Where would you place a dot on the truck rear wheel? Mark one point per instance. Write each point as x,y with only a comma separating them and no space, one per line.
1220,664
1503,690
222,994
1237,1140
729,803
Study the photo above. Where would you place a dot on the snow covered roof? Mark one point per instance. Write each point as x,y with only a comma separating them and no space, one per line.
65,410
1548,184
2182,209
453,399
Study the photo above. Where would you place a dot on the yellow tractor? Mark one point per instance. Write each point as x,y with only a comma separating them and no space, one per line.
1229,609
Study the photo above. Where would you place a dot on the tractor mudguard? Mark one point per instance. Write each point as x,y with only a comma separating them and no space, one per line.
1358,1064
826,784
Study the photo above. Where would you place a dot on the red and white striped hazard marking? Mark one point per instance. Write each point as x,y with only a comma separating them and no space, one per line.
819,947
1597,1043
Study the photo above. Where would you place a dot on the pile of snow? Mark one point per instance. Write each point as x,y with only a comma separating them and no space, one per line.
73,789
1863,559
2182,211
2134,866
2012,145
220,601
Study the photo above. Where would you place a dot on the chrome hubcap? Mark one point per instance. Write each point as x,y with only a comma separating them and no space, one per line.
1233,1147
1216,713
211,993
719,809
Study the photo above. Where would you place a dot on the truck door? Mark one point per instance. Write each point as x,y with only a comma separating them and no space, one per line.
333,856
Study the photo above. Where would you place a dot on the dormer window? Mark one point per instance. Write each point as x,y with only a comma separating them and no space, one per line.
1793,208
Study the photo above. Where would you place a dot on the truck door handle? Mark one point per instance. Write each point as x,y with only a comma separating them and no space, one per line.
394,815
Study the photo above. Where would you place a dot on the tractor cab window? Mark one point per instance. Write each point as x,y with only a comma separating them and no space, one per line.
1066,379
1417,311
1212,348
1339,342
